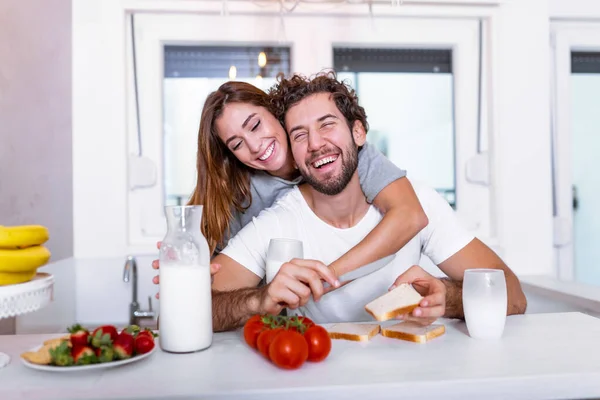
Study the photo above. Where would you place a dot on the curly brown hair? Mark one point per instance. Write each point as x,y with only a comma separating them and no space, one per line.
290,91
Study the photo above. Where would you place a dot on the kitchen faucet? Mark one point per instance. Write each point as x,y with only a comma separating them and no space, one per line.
135,313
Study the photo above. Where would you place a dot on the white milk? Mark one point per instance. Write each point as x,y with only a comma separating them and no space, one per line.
485,317
185,308
272,269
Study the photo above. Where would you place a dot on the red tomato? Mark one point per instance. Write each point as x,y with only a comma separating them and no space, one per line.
306,321
288,350
265,338
319,343
300,324
252,329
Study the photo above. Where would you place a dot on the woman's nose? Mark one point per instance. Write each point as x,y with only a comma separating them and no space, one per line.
254,145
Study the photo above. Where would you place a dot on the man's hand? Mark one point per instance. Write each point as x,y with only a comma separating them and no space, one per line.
433,290
214,268
294,284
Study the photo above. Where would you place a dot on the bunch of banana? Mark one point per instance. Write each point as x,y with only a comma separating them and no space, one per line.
21,252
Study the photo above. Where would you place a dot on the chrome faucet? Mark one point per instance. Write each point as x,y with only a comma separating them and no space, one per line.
135,313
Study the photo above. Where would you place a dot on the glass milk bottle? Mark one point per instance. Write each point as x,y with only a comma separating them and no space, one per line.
185,285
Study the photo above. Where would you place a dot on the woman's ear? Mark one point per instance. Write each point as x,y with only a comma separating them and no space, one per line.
358,133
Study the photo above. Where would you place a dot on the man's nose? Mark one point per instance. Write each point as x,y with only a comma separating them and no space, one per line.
315,141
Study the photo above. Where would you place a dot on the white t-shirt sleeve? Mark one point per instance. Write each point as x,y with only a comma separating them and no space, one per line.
249,246
444,236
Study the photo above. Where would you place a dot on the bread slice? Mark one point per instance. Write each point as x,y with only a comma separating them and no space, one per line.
401,300
413,332
352,331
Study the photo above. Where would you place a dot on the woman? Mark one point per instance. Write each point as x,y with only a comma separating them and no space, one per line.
245,163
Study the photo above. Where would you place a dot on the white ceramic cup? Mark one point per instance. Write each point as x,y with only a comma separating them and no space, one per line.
485,302
281,251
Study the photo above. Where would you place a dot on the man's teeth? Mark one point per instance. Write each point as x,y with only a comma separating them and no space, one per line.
324,161
268,152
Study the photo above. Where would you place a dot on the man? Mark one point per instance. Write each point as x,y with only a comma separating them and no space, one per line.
329,213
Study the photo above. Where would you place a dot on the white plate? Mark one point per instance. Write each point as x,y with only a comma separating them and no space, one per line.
75,368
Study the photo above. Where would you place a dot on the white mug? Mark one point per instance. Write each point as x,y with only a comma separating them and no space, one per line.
484,302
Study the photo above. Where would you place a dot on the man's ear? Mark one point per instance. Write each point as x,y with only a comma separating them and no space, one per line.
359,133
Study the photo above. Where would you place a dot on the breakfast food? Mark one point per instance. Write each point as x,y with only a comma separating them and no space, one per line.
355,332
104,344
412,332
22,252
401,300
287,341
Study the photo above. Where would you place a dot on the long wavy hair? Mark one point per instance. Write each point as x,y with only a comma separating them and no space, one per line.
223,183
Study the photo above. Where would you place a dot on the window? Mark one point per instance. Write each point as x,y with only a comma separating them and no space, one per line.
191,73
576,148
408,95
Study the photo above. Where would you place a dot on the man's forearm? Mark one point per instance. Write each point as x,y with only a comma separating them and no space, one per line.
231,309
454,304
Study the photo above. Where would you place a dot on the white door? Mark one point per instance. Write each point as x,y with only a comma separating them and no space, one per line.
312,50
576,148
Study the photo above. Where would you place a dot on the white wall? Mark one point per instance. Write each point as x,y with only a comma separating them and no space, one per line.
35,119
521,167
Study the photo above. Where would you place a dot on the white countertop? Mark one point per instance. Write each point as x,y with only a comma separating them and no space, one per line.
546,356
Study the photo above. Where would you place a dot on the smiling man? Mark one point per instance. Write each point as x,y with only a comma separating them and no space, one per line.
327,127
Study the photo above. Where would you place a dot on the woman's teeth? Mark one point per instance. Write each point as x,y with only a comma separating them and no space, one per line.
324,161
268,152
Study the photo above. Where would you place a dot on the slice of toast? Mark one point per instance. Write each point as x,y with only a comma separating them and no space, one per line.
412,332
352,331
401,300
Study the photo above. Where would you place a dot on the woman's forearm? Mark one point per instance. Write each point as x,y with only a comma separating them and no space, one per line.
403,219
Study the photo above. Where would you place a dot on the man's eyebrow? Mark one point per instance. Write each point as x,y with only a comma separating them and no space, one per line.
248,120
324,117
320,119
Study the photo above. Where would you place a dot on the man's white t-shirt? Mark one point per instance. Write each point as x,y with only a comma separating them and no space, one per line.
291,217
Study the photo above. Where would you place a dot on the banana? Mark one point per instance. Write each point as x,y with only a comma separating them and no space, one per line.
11,278
15,237
23,260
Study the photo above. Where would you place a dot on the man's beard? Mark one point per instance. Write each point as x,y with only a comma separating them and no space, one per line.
334,185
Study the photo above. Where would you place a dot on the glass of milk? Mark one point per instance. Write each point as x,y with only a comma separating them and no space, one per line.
281,251
185,283
484,302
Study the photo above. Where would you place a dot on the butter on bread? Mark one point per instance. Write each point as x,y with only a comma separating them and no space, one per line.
401,300
353,331
413,332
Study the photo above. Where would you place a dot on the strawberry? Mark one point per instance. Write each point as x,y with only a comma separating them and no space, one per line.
83,355
98,339
143,344
147,332
79,335
106,329
133,330
61,355
123,346
105,354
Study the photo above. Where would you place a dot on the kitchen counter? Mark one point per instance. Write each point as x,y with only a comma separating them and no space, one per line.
550,356
92,292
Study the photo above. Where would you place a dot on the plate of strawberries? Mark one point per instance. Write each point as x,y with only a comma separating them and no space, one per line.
104,347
